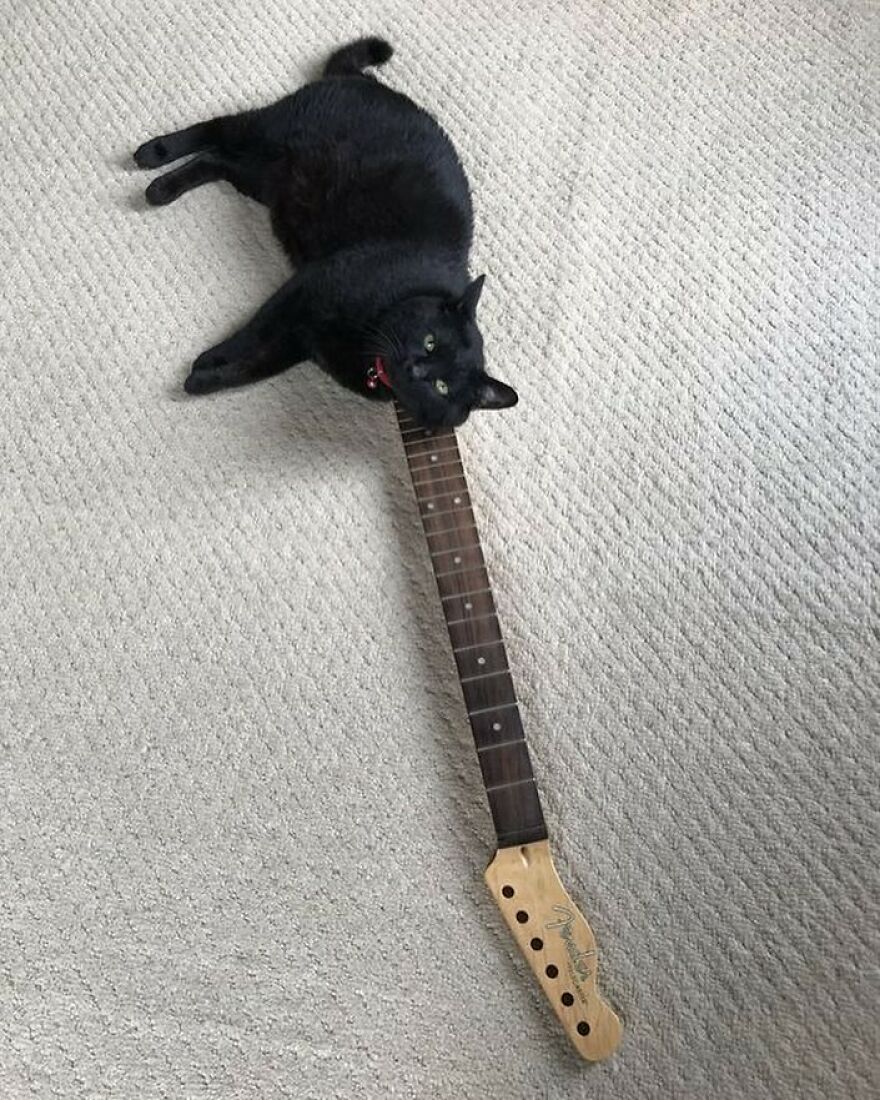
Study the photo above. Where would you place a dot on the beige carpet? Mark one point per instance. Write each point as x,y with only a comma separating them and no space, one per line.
242,833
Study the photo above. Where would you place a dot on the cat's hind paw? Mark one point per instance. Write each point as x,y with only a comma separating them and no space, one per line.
200,382
207,374
162,191
153,154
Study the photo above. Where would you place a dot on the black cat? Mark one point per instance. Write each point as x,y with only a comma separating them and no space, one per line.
369,199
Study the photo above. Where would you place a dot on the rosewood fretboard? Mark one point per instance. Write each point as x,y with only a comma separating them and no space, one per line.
466,597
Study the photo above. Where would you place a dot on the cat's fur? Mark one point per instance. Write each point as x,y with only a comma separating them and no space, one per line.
370,201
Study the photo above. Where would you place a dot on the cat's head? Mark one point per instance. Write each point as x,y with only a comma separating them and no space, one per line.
433,354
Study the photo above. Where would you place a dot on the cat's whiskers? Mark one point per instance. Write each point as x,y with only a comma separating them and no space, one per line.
382,343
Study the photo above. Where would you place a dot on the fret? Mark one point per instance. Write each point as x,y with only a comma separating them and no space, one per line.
509,783
436,468
496,728
420,447
481,660
478,592
476,631
507,766
458,520
442,535
444,503
456,506
491,692
450,481
465,583
413,434
446,495
432,458
501,744
516,811
451,550
442,480
431,510
514,837
455,561
463,562
429,433
476,645
455,572
483,675
467,609
410,434
428,458
439,537
490,710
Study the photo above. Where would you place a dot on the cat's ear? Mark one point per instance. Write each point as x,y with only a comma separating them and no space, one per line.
467,303
493,394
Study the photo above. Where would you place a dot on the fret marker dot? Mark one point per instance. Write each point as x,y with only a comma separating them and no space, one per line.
457,560
496,726
456,500
481,660
433,458
430,507
468,607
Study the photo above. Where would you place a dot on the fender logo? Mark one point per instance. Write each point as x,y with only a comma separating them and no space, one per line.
562,924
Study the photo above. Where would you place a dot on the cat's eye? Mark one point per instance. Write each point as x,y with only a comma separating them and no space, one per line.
441,387
430,342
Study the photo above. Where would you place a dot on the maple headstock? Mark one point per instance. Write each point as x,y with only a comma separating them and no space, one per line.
557,942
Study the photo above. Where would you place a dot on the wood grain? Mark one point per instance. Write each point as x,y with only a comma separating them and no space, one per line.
557,943
547,926
444,504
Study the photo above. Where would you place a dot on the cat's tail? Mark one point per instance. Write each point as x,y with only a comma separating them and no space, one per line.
352,59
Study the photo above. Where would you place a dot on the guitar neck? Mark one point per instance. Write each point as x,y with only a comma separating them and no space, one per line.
549,929
466,597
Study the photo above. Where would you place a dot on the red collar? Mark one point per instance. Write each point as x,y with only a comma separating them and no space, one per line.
377,373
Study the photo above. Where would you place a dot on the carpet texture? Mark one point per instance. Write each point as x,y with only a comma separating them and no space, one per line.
242,832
